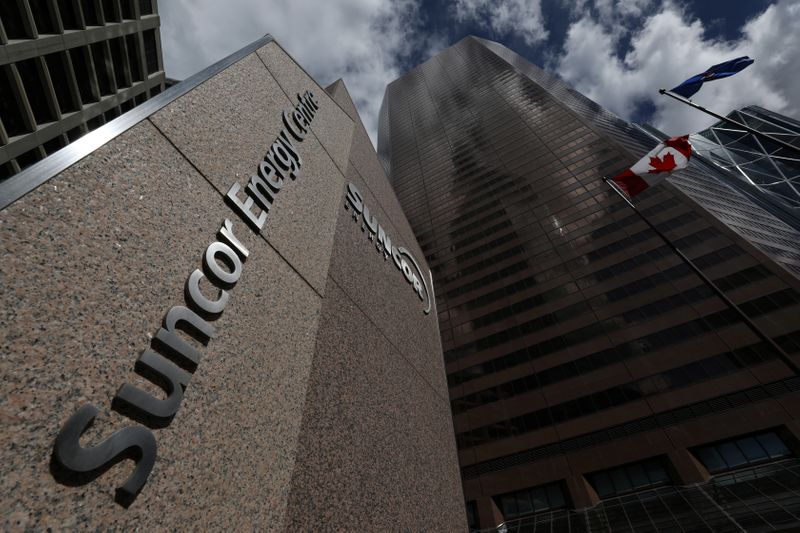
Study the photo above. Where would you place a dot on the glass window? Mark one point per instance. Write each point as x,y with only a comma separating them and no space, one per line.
509,506
773,445
524,503
539,499
742,451
620,479
555,496
532,500
711,459
602,484
638,476
751,449
656,472
627,478
731,454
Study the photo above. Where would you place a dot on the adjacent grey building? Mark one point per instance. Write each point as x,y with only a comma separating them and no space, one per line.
69,66
772,168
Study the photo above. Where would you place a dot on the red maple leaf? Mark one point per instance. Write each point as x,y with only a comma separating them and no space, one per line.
662,165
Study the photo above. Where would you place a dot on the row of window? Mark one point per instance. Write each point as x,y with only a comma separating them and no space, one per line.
673,335
747,355
507,271
38,153
675,378
505,361
561,372
56,17
558,175
525,205
606,325
480,209
95,70
534,229
582,260
528,304
720,457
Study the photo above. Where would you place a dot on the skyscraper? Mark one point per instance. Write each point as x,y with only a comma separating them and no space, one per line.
595,381
68,67
754,160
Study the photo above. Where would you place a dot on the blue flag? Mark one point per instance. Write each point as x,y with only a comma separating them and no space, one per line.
723,70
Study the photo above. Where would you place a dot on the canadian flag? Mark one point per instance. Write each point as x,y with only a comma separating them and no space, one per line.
670,155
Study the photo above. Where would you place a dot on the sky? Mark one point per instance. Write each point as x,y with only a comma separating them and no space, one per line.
618,53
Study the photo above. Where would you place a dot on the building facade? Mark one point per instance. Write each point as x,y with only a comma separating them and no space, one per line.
595,381
772,168
68,67
224,283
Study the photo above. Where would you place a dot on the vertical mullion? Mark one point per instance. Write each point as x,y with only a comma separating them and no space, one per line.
27,18
3,36
21,98
76,4
90,66
49,90
141,56
98,6
159,57
109,64
55,15
126,65
3,133
72,81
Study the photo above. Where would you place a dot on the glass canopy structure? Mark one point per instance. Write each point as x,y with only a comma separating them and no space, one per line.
772,168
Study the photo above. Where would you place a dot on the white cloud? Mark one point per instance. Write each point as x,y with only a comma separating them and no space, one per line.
361,41
611,11
670,47
503,17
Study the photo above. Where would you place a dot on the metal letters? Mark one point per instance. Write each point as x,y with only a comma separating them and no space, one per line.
172,360
402,258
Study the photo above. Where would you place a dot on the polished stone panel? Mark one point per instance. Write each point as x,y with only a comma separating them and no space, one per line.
226,124
332,126
94,259
244,105
379,288
370,174
338,91
373,437
282,425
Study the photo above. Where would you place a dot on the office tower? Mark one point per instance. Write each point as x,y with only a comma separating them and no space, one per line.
754,160
70,66
596,382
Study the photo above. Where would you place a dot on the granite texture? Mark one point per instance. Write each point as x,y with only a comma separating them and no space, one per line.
243,106
331,125
338,91
93,260
371,174
379,279
370,455
379,288
226,125
321,403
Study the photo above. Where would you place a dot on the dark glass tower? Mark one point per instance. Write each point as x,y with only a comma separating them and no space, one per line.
595,381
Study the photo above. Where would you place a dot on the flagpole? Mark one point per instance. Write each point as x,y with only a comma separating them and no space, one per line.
731,121
783,355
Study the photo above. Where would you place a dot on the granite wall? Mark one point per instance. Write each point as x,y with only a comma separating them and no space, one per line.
319,403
